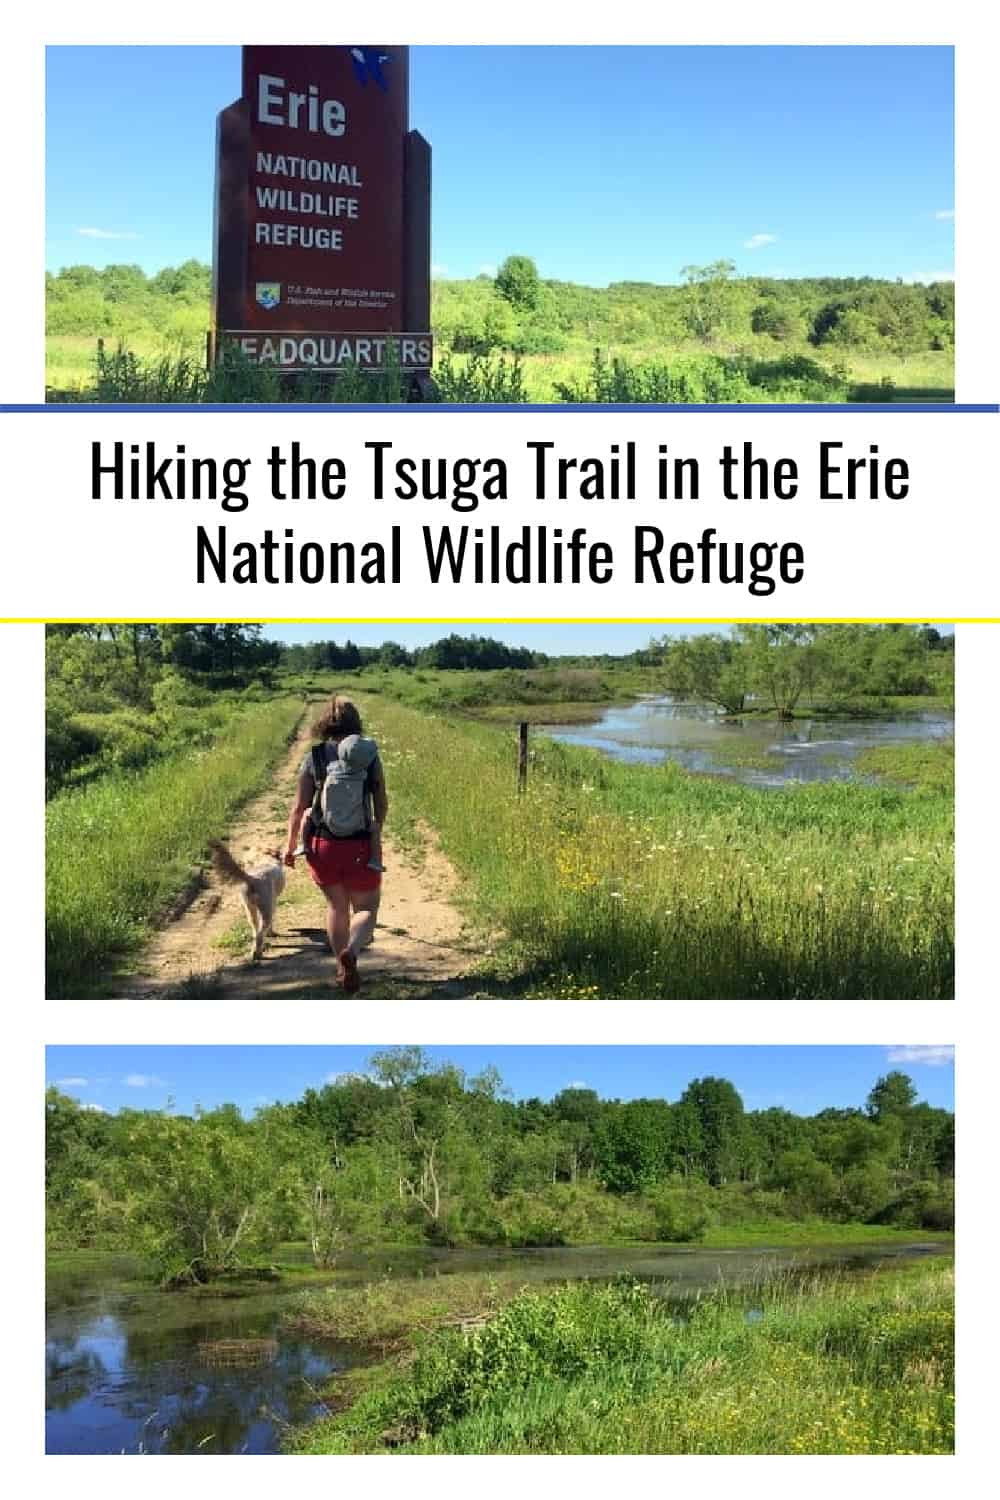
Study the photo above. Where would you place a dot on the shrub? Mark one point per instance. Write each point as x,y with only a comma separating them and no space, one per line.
923,1205
708,378
67,742
680,1214
482,380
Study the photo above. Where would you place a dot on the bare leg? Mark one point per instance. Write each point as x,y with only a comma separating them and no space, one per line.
363,916
338,917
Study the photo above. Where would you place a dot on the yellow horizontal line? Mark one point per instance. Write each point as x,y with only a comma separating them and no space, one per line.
509,620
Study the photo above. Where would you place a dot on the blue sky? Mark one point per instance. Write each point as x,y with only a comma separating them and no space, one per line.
603,163
803,1079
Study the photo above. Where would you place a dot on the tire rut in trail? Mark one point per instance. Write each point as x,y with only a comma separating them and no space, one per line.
421,948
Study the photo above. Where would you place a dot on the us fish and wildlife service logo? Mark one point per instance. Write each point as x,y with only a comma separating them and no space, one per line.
268,294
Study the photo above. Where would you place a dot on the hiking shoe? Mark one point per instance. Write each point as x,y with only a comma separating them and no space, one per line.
347,972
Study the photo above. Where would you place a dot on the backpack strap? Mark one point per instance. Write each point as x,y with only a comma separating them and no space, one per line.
318,758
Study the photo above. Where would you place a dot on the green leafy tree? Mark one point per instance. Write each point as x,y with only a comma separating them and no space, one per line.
719,1109
633,1145
517,281
203,1195
783,663
710,299
706,668
892,1094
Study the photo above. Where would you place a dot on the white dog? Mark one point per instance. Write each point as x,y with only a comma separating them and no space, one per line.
261,888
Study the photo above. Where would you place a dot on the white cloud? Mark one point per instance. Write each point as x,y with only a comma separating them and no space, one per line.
95,1109
758,241
144,1081
926,277
437,270
931,1057
108,234
72,1083
945,213
578,1083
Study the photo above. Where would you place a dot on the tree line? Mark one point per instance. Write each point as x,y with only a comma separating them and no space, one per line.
452,653
519,311
413,1152
710,305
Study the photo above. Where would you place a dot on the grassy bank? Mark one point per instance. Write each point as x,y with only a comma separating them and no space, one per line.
536,692
928,767
395,1312
615,880
824,1364
120,849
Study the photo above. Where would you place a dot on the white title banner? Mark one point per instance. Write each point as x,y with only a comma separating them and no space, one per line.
455,514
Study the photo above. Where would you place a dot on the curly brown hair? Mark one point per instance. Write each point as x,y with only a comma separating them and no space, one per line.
340,718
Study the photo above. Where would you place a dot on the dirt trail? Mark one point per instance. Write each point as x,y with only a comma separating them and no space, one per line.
420,949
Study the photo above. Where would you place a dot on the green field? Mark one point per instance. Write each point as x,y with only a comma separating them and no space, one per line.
716,337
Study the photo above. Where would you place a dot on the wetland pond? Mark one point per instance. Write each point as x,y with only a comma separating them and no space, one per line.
127,1372
755,751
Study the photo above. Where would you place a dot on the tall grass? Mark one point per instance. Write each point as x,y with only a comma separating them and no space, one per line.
842,1365
930,374
118,850
616,880
175,376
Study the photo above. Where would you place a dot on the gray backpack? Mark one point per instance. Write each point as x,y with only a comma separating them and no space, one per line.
341,774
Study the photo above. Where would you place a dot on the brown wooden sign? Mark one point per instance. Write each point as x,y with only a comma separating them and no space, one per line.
322,225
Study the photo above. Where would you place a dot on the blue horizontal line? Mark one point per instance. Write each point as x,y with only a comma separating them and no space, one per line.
853,408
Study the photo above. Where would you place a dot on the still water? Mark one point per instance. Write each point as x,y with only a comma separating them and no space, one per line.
699,738
126,1372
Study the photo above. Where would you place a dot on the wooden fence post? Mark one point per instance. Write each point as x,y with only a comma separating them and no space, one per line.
522,756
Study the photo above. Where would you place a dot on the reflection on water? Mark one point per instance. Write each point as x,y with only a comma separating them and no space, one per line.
699,738
125,1373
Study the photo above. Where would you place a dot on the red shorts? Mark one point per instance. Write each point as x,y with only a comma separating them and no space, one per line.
343,862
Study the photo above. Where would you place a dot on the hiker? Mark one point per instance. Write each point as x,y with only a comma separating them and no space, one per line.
339,808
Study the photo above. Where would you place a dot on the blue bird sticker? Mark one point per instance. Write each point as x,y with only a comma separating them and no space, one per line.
368,64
